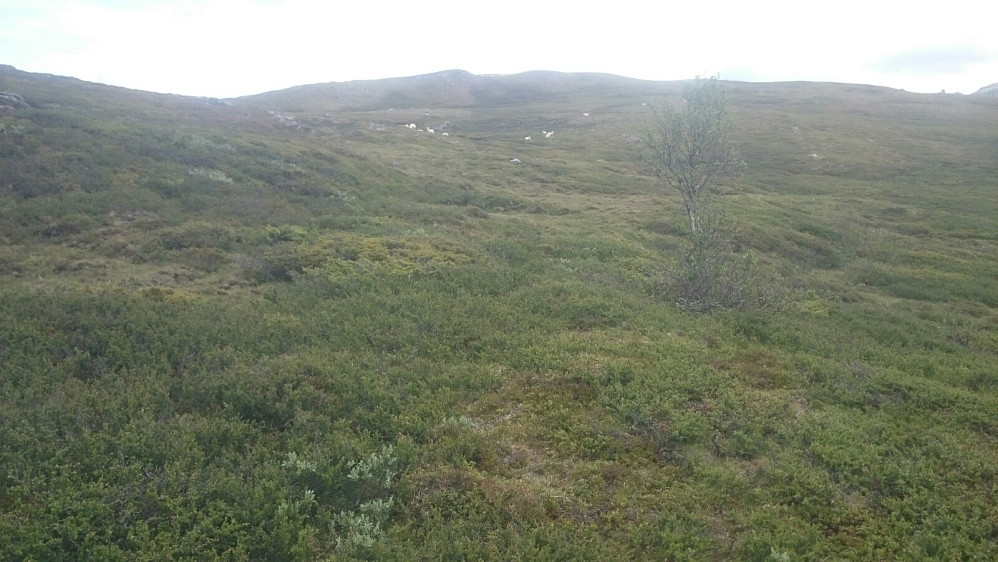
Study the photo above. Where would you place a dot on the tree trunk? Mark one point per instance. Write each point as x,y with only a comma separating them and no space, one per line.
693,212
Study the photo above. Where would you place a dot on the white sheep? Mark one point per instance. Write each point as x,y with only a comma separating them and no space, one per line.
444,134
547,134
527,139
412,125
515,161
429,130
585,115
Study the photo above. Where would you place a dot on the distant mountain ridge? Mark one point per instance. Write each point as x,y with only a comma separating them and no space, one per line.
452,88
990,91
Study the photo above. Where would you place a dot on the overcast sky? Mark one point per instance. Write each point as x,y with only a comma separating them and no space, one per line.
229,48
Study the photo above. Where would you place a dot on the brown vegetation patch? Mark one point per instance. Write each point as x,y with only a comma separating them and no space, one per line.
761,369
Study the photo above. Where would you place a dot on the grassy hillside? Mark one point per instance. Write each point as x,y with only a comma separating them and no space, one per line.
288,327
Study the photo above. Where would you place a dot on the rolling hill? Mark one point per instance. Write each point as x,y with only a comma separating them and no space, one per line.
289,326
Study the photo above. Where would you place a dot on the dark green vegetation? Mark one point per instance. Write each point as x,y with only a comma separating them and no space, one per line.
286,327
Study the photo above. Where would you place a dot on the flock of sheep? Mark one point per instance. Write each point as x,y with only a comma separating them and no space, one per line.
547,135
428,130
412,126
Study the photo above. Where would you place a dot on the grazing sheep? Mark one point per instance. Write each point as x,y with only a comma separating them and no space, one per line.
412,125
527,139
515,161
585,115
547,134
444,135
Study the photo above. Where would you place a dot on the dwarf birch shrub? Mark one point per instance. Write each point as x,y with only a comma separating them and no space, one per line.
364,526
712,276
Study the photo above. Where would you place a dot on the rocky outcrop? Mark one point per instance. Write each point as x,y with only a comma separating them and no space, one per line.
9,101
286,120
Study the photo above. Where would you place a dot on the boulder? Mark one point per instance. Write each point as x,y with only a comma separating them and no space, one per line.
9,101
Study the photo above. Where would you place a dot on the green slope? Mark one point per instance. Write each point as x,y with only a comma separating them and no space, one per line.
288,327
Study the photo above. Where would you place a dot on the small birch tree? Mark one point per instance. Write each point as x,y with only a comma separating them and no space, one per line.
688,149
688,146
